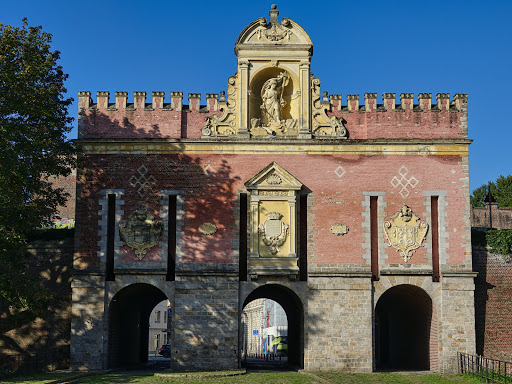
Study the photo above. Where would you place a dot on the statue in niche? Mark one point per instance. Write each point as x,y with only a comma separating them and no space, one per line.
272,106
272,96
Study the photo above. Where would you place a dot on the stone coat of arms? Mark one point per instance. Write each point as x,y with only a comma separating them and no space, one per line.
405,232
273,232
141,231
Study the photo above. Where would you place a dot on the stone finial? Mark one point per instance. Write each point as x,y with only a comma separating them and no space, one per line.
353,102
370,102
102,99
388,99
222,96
139,99
461,100
443,101
157,99
273,14
177,100
84,99
407,101
425,101
121,99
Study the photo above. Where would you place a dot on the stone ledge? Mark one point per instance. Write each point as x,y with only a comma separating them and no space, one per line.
201,374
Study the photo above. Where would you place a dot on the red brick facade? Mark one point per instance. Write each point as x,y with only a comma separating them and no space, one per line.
341,179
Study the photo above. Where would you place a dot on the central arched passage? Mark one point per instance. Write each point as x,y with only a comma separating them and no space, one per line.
129,324
403,319
294,310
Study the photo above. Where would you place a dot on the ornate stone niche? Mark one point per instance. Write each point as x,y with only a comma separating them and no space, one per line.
274,103
273,222
273,53
273,94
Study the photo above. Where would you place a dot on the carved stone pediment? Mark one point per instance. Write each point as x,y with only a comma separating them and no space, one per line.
259,32
405,232
274,177
141,231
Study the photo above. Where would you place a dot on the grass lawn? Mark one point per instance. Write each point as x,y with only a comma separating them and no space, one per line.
283,378
40,378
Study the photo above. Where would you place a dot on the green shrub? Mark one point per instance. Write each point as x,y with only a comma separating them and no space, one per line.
500,241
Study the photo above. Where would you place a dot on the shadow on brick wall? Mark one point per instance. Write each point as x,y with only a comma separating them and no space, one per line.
22,331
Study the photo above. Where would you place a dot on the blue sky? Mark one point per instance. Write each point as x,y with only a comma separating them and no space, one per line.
414,46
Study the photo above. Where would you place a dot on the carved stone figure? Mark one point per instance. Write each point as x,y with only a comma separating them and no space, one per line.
141,231
405,232
273,232
273,102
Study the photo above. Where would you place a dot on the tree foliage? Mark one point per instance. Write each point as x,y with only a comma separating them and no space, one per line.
33,149
501,190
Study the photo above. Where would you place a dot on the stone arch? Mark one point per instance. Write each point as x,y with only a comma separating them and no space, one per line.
294,310
405,325
259,77
128,322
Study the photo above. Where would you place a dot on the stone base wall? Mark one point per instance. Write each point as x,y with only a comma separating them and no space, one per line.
493,303
205,323
339,324
88,344
457,321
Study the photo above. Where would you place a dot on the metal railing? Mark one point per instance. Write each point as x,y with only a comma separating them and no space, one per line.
485,369
18,364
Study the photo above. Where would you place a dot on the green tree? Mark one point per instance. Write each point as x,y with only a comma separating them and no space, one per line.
33,149
501,190
478,195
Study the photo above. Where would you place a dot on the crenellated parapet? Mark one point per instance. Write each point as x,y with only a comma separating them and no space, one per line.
424,104
330,118
274,95
124,118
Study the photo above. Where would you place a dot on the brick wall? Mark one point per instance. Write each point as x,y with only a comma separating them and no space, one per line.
21,331
493,301
501,217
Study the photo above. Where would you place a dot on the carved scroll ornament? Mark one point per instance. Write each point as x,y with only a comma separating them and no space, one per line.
273,232
405,232
141,231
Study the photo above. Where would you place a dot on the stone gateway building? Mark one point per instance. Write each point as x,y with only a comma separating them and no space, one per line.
353,216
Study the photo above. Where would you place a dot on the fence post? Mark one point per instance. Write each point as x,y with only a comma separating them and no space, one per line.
486,371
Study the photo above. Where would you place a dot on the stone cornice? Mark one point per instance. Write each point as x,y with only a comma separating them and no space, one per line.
299,147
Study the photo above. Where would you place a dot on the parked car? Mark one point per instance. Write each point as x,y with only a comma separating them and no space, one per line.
165,350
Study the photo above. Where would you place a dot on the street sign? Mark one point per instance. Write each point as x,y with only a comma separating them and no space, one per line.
255,332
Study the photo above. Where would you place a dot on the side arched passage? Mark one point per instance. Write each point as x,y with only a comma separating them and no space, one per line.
405,330
295,314
129,324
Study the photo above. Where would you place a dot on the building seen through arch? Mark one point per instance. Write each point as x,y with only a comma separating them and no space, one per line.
351,213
